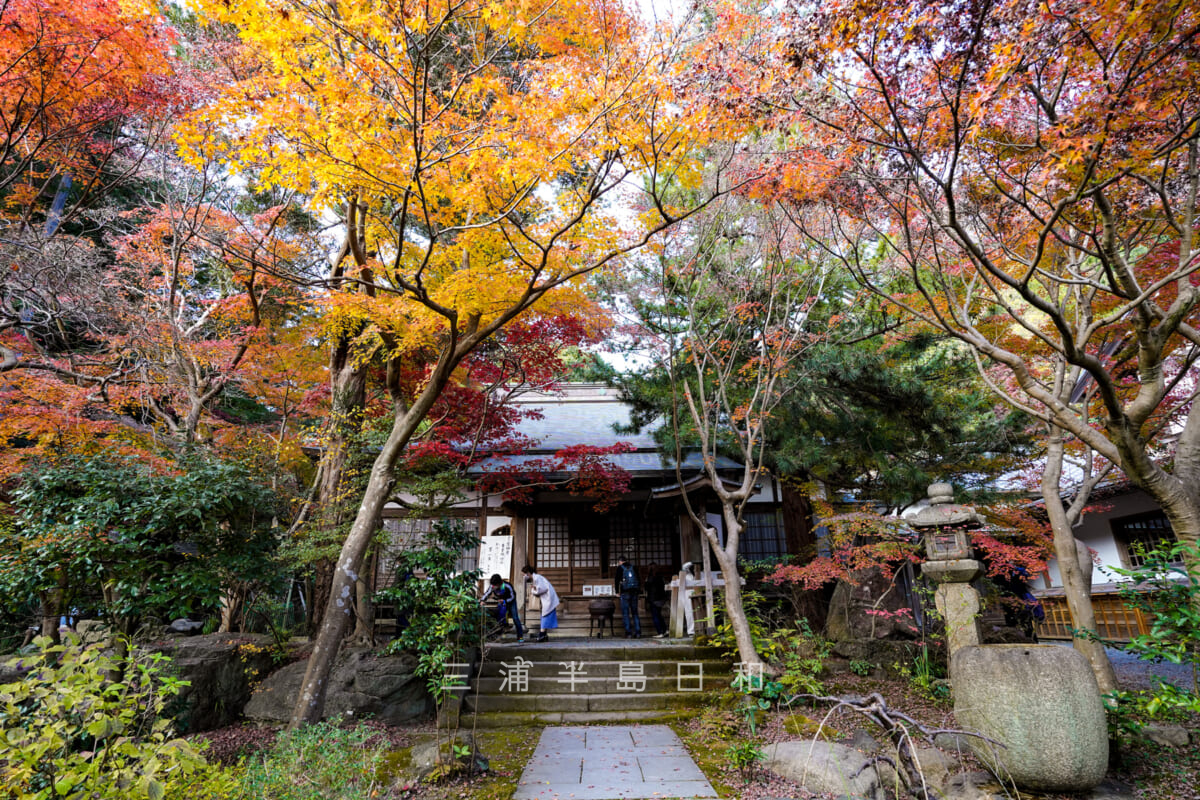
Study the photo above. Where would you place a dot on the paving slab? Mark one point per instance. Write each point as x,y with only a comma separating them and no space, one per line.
669,768
611,763
654,736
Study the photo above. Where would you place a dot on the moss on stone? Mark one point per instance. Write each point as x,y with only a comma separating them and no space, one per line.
806,727
394,765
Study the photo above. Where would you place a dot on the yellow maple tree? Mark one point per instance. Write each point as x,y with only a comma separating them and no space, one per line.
478,156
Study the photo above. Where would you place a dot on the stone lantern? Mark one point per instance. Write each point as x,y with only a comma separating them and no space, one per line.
944,525
1040,703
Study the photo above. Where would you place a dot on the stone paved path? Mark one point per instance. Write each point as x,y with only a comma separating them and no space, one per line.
610,763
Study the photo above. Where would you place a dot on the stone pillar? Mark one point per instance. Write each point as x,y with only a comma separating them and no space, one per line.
956,600
678,622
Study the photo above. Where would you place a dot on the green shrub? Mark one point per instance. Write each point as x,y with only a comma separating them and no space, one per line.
745,756
67,730
926,676
804,653
861,668
442,604
767,645
1168,592
318,762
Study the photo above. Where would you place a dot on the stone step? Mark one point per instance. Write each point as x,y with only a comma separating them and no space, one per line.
629,701
610,685
600,651
514,719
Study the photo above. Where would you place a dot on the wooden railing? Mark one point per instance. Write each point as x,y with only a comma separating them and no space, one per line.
1115,621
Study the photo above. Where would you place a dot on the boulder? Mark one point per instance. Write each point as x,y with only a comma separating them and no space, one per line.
92,631
362,684
221,669
953,742
973,786
888,654
863,742
936,767
1041,703
872,608
825,767
1167,735
407,767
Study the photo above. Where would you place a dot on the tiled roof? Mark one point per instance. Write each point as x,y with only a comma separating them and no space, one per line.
586,414
581,414
644,463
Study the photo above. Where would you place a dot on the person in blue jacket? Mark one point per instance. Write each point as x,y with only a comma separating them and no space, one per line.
506,596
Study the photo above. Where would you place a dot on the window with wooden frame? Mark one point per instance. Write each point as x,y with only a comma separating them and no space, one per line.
644,541
553,541
1141,533
764,536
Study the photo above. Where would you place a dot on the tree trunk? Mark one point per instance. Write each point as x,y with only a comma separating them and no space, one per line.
735,610
50,613
1076,587
1177,493
233,600
364,614
335,622
348,384
710,620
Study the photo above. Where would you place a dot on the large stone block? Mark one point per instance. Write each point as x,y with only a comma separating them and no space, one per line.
1042,704
220,669
361,685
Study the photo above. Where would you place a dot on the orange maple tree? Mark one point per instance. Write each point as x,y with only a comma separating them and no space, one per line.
1020,174
469,151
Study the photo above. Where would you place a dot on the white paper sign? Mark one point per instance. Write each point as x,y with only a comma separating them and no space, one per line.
495,556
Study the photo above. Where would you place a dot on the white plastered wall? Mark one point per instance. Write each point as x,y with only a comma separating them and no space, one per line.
1095,530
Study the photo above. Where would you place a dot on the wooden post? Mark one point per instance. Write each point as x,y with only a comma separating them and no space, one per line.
678,598
709,620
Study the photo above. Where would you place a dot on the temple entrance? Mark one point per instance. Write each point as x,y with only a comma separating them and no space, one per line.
577,553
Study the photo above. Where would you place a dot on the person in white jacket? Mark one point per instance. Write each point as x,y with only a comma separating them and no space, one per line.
549,600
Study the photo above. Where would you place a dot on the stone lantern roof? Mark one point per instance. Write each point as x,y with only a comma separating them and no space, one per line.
943,512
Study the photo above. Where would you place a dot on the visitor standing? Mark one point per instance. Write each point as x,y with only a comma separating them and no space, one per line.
629,588
549,600
656,598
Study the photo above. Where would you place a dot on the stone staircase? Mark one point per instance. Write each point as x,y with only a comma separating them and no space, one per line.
588,681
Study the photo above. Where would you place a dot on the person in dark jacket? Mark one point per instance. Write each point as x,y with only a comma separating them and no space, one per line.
629,587
656,599
506,605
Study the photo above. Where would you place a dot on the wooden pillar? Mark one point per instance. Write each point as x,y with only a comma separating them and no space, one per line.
520,556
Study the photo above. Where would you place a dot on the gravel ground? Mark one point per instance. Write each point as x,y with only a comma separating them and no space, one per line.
1133,673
